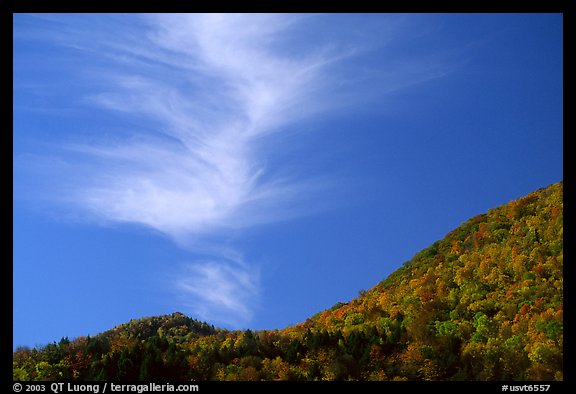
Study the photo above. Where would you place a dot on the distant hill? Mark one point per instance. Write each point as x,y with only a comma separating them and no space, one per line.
484,303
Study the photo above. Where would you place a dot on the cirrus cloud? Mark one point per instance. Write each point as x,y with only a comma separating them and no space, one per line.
199,101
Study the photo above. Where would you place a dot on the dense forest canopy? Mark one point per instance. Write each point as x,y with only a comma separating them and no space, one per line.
484,303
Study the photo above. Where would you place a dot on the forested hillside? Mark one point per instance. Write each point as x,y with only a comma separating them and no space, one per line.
484,303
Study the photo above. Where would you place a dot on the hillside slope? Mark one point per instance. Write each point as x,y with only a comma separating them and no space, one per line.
484,303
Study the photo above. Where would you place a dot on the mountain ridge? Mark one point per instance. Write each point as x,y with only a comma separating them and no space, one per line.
483,303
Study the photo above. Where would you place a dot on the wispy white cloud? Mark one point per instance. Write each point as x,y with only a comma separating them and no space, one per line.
202,170
207,94
224,292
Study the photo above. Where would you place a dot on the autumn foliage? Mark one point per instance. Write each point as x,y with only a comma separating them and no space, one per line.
484,303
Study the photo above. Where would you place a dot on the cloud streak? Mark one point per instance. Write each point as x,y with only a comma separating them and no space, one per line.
202,169
218,290
201,98
207,93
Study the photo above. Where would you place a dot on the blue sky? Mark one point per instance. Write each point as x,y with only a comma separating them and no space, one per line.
252,170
